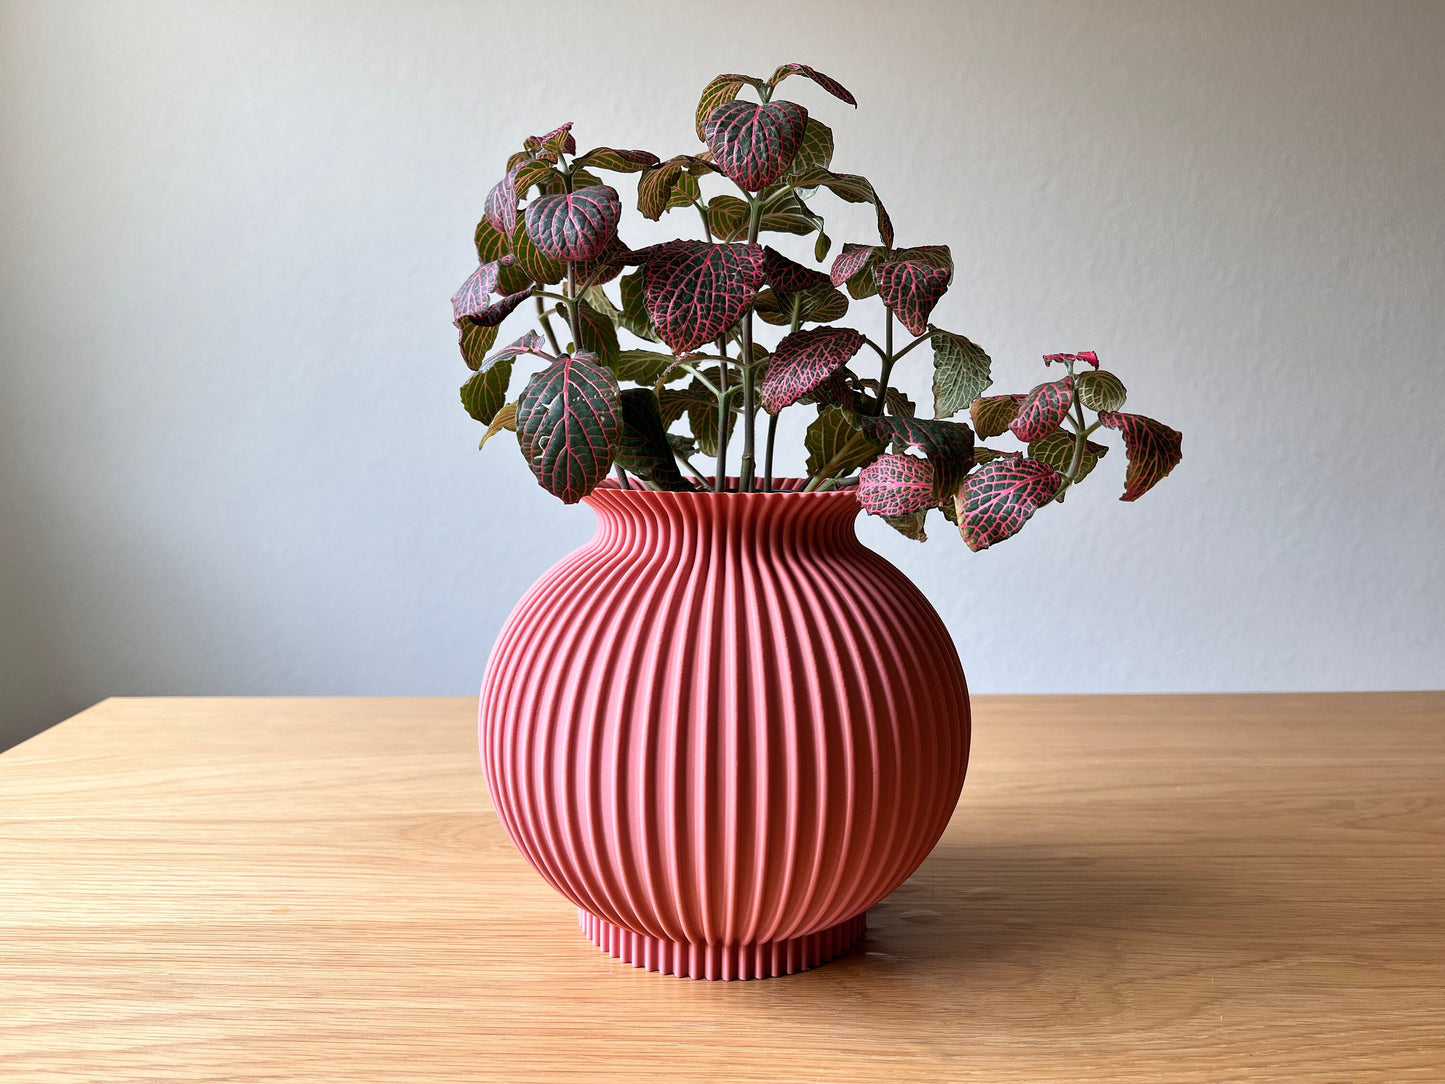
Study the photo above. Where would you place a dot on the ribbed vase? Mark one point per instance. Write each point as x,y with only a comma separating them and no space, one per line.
724,729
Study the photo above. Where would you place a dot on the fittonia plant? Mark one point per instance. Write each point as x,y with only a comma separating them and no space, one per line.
549,232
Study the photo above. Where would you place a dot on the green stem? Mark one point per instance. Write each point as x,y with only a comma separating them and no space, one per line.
621,476
773,418
750,407
888,359
687,463
547,325
720,482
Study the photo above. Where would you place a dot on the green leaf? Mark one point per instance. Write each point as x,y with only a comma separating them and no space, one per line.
643,448
617,161
492,243
727,218
910,525
582,178
647,367
700,405
961,373
685,192
538,267
1100,390
634,315
475,340
506,418
948,445
539,173
853,189
816,150
993,414
486,392
724,88
821,246
568,424
598,335
1057,450
836,443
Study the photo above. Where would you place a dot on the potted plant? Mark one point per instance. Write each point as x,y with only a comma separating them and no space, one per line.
724,728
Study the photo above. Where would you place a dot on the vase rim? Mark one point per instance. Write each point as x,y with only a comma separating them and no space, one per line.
793,489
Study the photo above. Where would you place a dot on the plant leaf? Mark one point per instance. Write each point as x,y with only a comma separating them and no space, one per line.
568,424
539,268
529,343
539,173
506,418
1043,409
1086,356
727,217
909,526
558,141
500,206
574,225
933,255
853,189
836,443
1152,447
695,291
992,414
754,143
491,243
998,499
607,266
599,336
804,360
1100,390
910,289
896,484
634,308
617,161
486,392
472,302
701,407
788,276
948,445
647,367
642,447
655,188
475,340
961,373
850,261
1057,450
722,89
816,150
832,86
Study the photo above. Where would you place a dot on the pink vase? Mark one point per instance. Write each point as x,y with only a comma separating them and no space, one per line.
724,729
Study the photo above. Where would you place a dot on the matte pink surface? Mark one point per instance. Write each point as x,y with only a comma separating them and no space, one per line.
724,728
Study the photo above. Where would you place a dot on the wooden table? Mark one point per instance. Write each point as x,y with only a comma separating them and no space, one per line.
1208,888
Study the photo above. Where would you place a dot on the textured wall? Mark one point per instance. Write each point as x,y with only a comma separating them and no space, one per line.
231,456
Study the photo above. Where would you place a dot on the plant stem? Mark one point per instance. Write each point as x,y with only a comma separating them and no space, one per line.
687,463
720,482
621,476
888,360
750,408
773,418
547,325
571,300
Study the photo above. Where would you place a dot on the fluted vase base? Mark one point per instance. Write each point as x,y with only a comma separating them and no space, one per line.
760,960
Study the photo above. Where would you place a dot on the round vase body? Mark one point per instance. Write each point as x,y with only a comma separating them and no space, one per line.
724,729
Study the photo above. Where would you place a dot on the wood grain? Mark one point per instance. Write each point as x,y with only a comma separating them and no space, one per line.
1208,888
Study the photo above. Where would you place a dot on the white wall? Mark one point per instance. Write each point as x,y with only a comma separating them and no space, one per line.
231,455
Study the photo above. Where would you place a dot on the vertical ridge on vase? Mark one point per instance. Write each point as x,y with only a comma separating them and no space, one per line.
723,728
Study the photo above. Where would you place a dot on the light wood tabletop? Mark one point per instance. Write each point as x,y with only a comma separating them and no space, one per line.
1187,888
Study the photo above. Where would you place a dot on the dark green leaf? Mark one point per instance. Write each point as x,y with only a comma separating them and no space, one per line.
722,89
475,340
998,499
491,243
486,392
816,150
574,225
599,336
755,142
992,414
1100,390
539,268
837,445
568,424
853,189
617,161
1057,450
647,367
643,448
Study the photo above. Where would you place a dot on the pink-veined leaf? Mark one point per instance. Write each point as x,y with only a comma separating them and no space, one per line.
997,499
1153,450
558,141
992,414
832,86
491,244
607,266
910,289
1057,450
804,360
754,142
896,485
837,445
617,161
599,335
472,302
1043,409
538,267
948,445
538,172
838,390
500,206
574,225
695,291
1086,356
568,423
656,186
851,260
530,343
788,275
